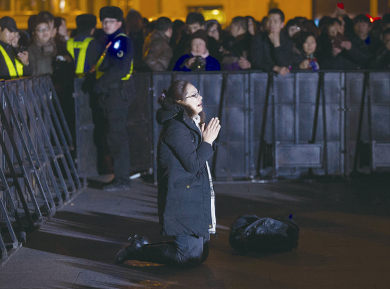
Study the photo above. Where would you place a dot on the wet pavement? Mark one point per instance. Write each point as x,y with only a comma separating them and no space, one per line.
344,240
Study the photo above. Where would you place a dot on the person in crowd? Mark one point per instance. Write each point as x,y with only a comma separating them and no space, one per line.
292,28
251,24
62,29
84,49
47,17
30,27
186,198
273,50
337,52
113,68
134,29
43,49
149,28
13,64
310,26
194,22
214,30
199,58
362,29
305,52
177,30
157,52
238,57
264,22
381,60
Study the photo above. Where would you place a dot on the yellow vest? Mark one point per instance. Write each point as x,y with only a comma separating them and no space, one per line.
13,72
71,45
100,73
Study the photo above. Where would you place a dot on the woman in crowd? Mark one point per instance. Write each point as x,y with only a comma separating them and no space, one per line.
199,57
43,49
251,24
305,52
185,191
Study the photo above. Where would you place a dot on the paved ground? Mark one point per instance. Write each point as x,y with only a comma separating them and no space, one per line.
344,243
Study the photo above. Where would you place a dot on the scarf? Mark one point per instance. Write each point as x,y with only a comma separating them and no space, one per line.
205,55
212,229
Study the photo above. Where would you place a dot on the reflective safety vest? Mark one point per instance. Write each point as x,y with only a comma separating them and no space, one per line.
100,73
15,70
71,45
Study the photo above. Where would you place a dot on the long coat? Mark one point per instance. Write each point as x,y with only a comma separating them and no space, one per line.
184,196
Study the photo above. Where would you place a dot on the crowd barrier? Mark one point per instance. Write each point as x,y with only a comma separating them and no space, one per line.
303,124
37,172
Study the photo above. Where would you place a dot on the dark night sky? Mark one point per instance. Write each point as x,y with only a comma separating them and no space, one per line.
353,7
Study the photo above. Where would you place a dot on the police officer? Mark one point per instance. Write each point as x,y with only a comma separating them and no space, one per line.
112,70
84,49
13,64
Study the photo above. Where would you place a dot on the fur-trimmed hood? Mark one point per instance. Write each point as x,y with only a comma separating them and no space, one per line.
170,110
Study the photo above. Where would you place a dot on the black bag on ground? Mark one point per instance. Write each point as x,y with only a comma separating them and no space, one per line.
250,233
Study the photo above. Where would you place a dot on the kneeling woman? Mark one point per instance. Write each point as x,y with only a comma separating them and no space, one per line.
185,191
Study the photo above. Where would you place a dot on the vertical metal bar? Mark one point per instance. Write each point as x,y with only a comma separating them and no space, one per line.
274,172
4,253
61,134
152,90
317,107
40,142
262,144
369,118
343,123
246,124
6,219
324,124
360,126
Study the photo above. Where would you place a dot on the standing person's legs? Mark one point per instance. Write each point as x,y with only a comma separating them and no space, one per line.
117,140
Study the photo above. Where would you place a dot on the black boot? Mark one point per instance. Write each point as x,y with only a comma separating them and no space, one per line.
131,251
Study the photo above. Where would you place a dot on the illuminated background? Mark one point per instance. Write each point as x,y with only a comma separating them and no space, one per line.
222,10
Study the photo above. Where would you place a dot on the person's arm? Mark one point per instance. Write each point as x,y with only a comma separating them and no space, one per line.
192,158
257,52
357,51
180,63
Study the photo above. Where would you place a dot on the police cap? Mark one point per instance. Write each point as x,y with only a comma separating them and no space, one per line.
9,23
111,12
86,21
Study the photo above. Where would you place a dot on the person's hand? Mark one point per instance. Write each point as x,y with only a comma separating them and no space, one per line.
210,133
335,51
281,70
23,57
189,62
244,64
305,64
346,44
275,38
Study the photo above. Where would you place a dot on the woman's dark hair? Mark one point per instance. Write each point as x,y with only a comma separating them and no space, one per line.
58,22
134,22
177,91
247,18
176,94
210,23
303,35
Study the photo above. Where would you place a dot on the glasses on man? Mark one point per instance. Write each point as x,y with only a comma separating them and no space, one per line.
43,30
105,22
196,94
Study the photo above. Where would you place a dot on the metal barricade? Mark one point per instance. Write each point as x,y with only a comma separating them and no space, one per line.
37,173
303,124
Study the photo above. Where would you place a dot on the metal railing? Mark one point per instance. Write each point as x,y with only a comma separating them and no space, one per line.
37,173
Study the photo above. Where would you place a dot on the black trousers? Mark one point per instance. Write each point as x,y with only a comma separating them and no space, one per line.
115,105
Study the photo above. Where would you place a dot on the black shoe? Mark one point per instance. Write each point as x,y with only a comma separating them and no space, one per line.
117,186
131,251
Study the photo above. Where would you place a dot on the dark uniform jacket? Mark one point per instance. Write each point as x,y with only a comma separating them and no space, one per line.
116,63
184,198
94,51
265,56
157,52
4,73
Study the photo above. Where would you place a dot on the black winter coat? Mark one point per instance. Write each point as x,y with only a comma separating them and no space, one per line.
184,198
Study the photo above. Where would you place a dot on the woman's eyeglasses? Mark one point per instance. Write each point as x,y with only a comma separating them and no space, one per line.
196,95
43,30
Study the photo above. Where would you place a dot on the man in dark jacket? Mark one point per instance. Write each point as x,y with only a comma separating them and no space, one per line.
12,65
239,56
272,51
157,52
381,60
112,70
